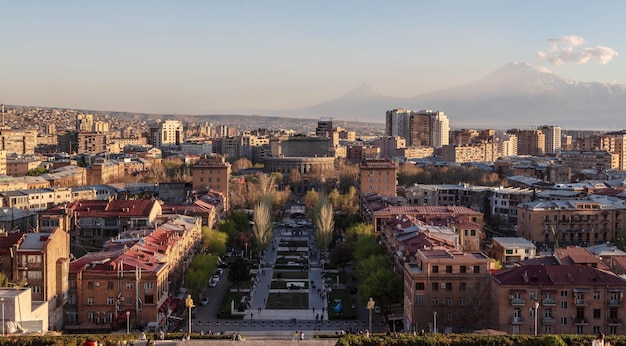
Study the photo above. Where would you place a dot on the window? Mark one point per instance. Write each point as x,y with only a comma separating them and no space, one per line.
89,300
462,286
473,232
110,285
449,301
419,286
563,293
463,269
109,300
37,289
435,286
596,314
419,300
448,269
533,295
476,269
448,286
90,317
563,305
129,285
148,285
563,321
435,301
596,295
33,274
462,302
435,269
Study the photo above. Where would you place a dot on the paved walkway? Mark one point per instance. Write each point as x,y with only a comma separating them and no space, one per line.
261,289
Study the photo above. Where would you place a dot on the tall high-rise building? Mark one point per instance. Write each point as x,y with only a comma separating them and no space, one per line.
422,128
615,142
530,142
84,122
440,132
166,133
553,138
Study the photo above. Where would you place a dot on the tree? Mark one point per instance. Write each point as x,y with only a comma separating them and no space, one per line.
214,241
239,271
240,164
263,226
324,223
383,285
35,172
354,232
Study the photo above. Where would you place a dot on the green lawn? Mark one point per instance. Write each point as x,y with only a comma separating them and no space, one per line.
288,301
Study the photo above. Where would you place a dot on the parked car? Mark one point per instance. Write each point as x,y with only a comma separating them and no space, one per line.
204,301
213,282
219,272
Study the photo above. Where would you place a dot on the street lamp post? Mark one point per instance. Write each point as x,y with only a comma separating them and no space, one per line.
370,306
2,300
127,322
189,305
434,322
536,314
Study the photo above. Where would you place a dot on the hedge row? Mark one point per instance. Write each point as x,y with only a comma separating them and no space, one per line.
475,340
79,339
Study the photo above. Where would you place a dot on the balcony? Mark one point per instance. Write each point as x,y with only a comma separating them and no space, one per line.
548,320
517,320
548,302
581,321
518,302
615,302
581,302
614,321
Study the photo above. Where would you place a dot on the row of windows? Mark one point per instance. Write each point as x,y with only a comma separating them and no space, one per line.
111,285
462,269
210,180
148,299
446,286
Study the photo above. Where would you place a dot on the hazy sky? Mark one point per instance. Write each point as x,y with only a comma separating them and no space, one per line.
203,57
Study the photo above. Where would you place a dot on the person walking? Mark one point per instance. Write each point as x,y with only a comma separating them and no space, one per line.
599,341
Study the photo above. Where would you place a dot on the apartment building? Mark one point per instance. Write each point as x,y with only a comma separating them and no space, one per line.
582,222
213,174
598,160
166,133
20,167
91,143
98,220
447,291
552,138
43,262
377,176
558,299
105,171
615,142
17,142
530,142
511,250
478,152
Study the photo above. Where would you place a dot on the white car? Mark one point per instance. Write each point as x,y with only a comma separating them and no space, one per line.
213,282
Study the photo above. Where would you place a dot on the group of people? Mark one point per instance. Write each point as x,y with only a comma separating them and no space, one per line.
298,336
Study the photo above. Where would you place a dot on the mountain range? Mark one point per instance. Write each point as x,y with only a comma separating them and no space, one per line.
516,95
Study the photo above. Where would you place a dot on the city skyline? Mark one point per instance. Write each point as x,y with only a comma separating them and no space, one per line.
246,57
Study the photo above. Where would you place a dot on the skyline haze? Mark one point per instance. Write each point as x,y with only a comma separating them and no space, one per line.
248,57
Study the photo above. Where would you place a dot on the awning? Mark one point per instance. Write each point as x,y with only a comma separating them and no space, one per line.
174,303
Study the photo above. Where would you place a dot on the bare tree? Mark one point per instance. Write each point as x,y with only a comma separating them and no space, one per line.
263,221
324,223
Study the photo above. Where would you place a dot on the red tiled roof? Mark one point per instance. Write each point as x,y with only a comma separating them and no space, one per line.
557,275
114,208
427,209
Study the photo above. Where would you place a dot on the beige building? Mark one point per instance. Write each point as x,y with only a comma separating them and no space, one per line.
583,222
480,152
18,142
212,174
377,176
598,160
615,142
447,292
21,313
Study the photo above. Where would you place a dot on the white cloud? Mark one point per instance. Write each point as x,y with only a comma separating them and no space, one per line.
572,49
